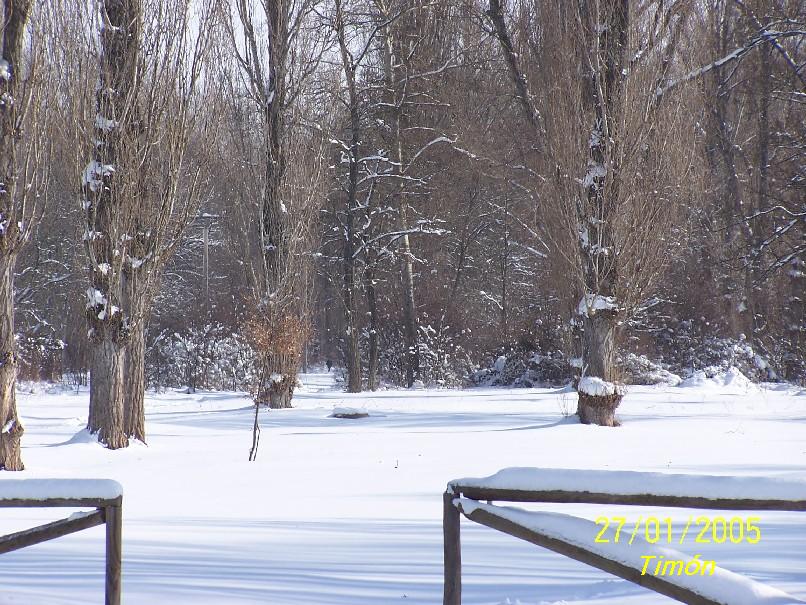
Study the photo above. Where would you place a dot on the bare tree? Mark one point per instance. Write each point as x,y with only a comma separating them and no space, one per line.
138,193
603,61
21,179
175,114
276,51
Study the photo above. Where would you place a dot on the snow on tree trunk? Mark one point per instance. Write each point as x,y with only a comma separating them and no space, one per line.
10,426
599,306
108,205
279,385
351,216
372,344
409,310
598,360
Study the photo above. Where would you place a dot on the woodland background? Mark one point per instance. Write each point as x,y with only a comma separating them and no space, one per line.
421,195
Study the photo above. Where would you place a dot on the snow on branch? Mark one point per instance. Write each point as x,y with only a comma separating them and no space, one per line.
765,36
591,303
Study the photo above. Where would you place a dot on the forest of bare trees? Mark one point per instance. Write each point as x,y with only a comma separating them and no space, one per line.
425,192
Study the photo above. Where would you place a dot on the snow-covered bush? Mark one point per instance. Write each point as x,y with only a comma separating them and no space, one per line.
522,366
443,361
688,348
639,369
211,356
40,356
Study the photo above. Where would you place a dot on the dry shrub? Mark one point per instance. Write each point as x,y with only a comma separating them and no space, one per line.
277,338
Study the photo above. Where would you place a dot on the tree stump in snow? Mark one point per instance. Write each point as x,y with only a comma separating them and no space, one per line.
598,400
598,409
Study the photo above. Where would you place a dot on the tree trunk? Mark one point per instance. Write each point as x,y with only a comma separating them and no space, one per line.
12,214
598,359
737,236
134,416
353,351
410,320
757,301
11,428
372,304
598,250
397,89
279,382
106,393
109,205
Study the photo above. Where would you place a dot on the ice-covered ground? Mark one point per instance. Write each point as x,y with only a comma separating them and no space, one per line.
348,512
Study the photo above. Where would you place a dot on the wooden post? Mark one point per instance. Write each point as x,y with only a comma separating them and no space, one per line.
453,551
114,519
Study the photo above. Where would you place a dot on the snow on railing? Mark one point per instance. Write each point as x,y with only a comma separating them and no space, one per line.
103,495
633,483
691,580
59,489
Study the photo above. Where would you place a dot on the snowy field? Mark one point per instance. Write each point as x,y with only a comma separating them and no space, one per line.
348,512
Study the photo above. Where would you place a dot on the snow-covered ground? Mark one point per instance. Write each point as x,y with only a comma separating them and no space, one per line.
348,512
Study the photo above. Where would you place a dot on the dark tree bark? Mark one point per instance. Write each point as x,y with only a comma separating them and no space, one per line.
397,88
134,415
278,296
350,284
11,428
496,14
12,237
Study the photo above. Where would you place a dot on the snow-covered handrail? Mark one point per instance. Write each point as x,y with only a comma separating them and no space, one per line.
563,535
103,495
631,487
575,538
44,492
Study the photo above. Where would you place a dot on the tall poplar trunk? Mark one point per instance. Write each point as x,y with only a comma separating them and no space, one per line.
280,367
12,198
108,206
410,319
757,301
736,282
11,428
600,269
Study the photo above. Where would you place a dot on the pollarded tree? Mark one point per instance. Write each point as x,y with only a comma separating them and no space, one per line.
21,168
614,162
276,52
109,197
137,193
